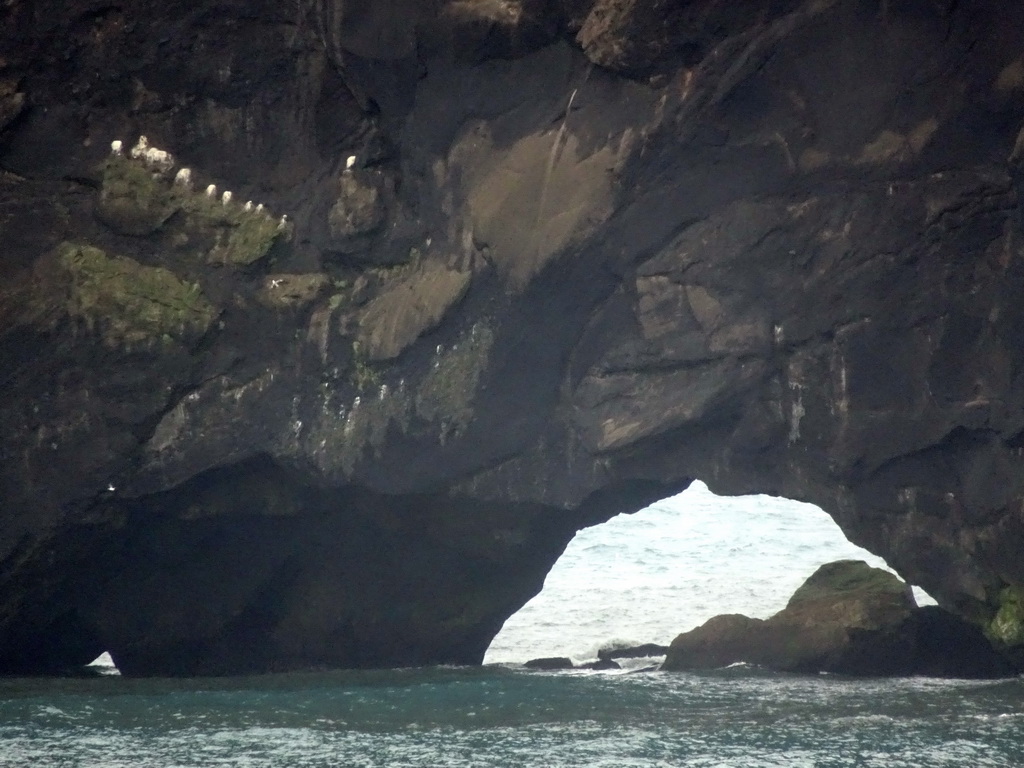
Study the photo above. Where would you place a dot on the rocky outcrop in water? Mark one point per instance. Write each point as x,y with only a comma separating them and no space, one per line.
550,663
632,652
541,263
847,618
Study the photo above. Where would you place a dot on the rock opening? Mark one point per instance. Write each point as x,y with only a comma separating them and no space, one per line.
646,577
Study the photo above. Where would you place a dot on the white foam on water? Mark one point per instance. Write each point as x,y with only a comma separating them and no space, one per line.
480,719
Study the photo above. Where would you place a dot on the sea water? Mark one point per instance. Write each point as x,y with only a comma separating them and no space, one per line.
498,716
638,579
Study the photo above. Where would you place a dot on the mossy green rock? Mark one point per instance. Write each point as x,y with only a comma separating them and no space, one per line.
844,615
133,199
446,393
247,240
844,579
127,302
1007,628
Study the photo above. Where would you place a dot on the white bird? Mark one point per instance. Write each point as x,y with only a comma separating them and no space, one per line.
140,147
211,191
158,158
283,222
350,162
226,197
116,147
259,208
183,178
247,206
275,282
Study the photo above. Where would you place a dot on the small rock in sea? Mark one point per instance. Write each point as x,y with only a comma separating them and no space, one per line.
550,662
634,652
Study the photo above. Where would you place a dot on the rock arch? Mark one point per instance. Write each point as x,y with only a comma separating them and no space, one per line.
778,251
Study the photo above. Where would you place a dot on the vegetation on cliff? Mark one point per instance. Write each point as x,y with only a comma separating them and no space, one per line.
127,303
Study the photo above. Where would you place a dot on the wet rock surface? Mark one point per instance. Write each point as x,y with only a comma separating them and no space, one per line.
588,252
632,652
847,618
550,663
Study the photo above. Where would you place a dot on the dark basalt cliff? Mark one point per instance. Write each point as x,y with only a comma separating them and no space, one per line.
585,252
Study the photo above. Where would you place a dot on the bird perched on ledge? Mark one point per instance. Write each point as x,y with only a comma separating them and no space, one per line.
183,178
157,159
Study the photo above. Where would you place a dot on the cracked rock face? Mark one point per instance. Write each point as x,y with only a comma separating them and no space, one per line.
589,252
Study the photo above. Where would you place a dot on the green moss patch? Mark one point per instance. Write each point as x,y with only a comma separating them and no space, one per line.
364,375
1007,628
133,199
127,302
342,434
446,393
247,238
844,578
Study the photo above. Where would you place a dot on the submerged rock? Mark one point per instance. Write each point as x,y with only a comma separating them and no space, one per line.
847,618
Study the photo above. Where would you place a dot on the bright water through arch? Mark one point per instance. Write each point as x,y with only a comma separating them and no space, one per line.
647,577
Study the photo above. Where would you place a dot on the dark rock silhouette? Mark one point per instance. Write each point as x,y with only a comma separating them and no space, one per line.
632,652
550,662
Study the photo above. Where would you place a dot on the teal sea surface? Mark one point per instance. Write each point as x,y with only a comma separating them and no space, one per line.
498,716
